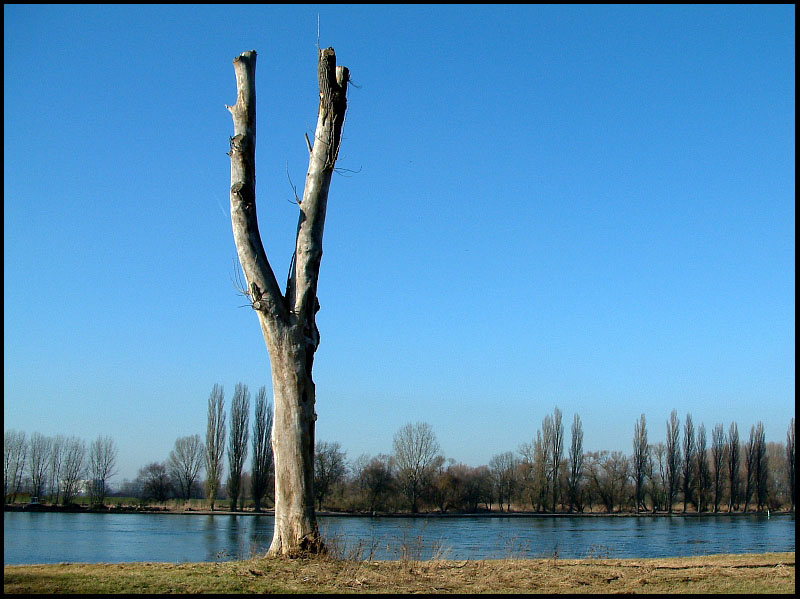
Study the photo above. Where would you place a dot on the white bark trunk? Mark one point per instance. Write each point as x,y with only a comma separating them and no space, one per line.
288,322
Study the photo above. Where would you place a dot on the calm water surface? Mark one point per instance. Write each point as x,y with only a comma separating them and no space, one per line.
38,538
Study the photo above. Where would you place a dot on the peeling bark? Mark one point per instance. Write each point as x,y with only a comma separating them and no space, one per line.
288,321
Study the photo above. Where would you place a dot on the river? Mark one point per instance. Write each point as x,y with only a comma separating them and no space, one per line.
52,537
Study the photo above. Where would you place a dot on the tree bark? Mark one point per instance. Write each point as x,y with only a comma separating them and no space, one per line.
288,321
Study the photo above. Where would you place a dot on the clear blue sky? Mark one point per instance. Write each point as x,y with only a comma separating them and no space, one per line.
584,207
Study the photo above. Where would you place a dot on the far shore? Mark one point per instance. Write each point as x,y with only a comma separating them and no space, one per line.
118,509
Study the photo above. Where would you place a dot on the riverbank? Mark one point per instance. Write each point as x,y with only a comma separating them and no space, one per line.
752,573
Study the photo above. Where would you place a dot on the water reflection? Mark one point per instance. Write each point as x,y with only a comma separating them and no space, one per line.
57,537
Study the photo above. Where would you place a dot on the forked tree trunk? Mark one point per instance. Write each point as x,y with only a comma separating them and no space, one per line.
288,320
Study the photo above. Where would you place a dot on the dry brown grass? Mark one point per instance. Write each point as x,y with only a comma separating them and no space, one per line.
759,573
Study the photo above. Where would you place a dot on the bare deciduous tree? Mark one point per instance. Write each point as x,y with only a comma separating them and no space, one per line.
415,451
237,443
330,467
575,475
640,461
673,458
376,478
15,452
608,473
548,433
733,456
761,478
262,471
38,460
777,491
56,459
476,485
184,463
701,469
718,461
556,452
454,486
154,482
540,455
688,464
73,468
503,469
658,475
288,320
215,442
102,464
750,453
527,469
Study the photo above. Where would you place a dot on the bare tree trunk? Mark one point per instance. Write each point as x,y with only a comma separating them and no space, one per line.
288,321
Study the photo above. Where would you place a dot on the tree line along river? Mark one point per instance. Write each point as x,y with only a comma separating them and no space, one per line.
53,537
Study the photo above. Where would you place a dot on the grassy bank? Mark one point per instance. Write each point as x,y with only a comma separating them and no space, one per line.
755,573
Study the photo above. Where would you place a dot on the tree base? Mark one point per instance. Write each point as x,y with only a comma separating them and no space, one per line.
306,548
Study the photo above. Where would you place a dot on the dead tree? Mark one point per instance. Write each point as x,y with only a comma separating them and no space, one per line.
287,319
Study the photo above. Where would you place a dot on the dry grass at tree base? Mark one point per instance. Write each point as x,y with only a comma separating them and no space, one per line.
755,573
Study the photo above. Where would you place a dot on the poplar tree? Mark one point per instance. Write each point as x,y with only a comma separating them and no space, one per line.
673,458
215,442
761,477
718,460
556,453
688,465
640,461
237,443
750,453
261,474
702,470
733,455
575,465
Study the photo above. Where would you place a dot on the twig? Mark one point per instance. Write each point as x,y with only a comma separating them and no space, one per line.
294,189
240,286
